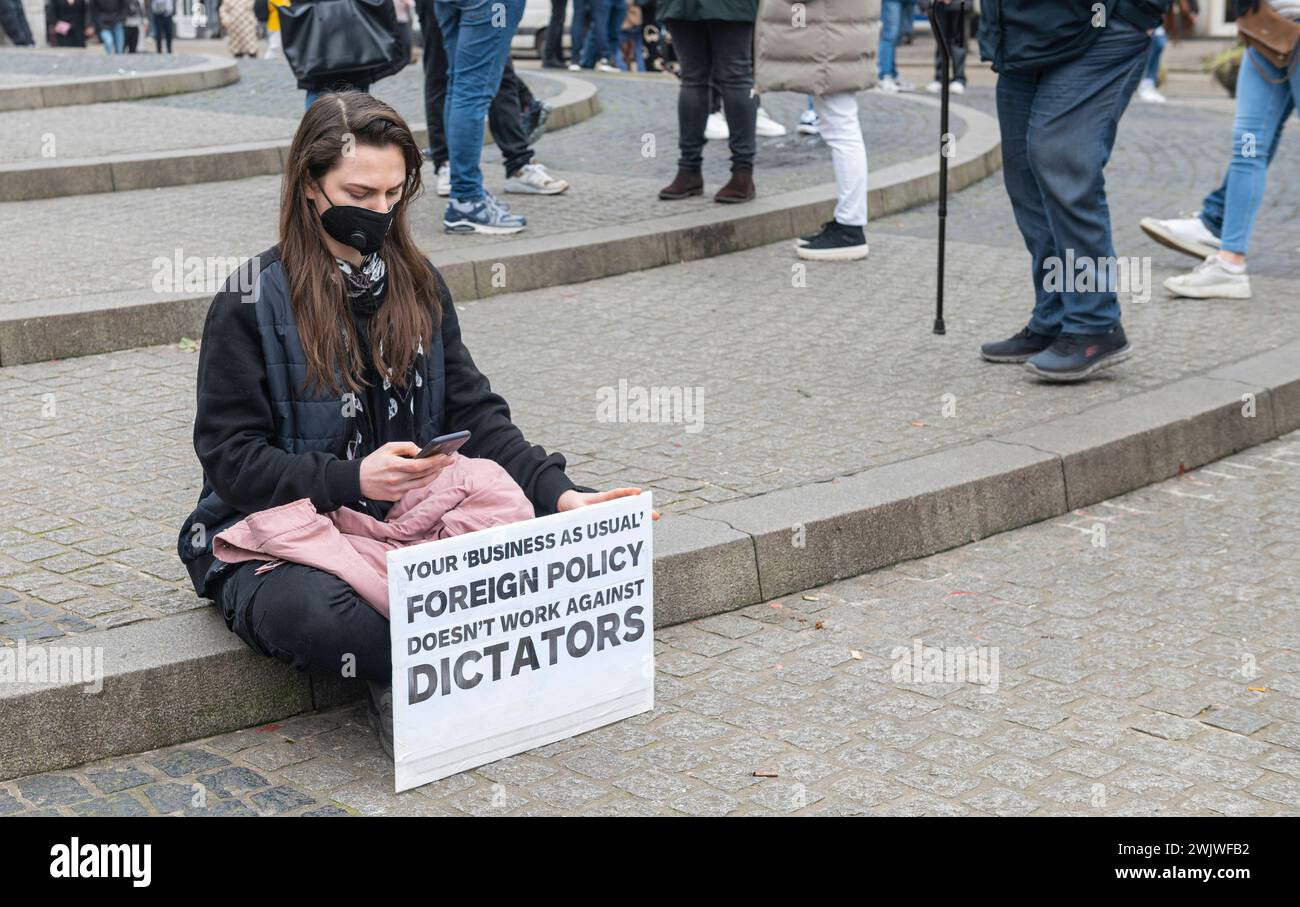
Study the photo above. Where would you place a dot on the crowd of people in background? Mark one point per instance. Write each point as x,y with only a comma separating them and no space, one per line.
1061,88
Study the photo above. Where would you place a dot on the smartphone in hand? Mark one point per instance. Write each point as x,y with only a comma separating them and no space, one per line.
444,444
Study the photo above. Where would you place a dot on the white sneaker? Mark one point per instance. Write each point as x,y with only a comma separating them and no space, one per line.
957,87
574,67
1147,92
888,84
444,180
767,127
716,128
1211,279
808,123
935,87
904,85
605,66
532,179
1183,234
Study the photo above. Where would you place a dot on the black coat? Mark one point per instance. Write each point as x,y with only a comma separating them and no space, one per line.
107,13
72,13
263,441
1029,35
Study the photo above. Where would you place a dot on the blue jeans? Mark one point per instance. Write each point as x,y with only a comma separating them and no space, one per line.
1058,127
1262,106
578,28
1158,42
891,20
1213,204
113,39
595,45
476,35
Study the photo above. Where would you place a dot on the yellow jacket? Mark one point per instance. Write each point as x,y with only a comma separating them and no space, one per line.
273,20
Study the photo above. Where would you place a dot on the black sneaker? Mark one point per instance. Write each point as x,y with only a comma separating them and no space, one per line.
804,240
1073,357
380,710
1016,349
835,242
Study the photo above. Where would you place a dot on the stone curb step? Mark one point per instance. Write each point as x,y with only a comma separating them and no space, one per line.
211,72
56,329
185,677
29,180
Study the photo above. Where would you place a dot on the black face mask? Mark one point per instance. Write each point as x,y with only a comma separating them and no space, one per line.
360,228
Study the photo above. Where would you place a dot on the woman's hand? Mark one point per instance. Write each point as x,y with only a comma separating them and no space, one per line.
391,471
573,499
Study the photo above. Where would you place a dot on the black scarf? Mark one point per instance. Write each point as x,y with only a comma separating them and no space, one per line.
382,412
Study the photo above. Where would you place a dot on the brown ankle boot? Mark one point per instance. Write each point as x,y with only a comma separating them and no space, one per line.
740,188
684,185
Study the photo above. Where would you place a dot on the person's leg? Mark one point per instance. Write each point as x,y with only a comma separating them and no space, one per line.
891,12
1158,41
478,45
578,29
507,125
157,32
553,52
1075,114
434,60
1212,205
106,39
733,72
596,44
1015,99
841,130
906,18
169,24
691,39
524,97
311,95
308,619
614,25
955,29
1260,100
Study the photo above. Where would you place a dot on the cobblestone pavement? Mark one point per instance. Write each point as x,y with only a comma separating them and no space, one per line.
25,66
612,181
822,380
1136,658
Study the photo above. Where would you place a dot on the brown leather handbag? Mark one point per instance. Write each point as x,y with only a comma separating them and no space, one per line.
1275,37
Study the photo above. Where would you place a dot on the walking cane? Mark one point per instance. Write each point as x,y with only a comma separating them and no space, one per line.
946,56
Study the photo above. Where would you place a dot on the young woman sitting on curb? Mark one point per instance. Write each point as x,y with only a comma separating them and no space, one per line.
325,366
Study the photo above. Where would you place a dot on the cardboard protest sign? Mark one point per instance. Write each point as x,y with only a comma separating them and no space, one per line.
510,638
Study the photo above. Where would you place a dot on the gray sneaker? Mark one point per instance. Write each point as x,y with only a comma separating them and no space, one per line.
380,710
480,215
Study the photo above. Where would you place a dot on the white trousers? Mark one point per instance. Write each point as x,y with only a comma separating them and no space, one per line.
840,129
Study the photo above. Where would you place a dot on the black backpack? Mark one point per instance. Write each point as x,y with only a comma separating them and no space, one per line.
262,10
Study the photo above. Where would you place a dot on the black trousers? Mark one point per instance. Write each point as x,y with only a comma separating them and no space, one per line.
717,52
952,22
553,52
306,618
504,116
434,59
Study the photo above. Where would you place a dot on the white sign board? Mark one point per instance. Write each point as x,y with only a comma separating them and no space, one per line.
510,638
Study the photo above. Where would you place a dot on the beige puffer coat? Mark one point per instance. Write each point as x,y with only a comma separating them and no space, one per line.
816,46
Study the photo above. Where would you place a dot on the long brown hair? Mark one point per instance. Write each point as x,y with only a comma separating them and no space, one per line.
412,309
